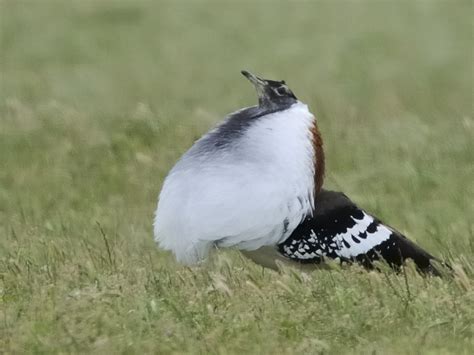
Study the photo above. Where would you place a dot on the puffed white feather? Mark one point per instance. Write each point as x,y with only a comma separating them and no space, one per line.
248,194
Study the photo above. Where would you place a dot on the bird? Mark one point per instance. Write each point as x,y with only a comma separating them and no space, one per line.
255,183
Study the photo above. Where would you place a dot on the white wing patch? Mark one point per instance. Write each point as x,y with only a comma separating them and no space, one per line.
349,248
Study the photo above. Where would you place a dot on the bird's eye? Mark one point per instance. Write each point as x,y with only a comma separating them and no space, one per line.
281,91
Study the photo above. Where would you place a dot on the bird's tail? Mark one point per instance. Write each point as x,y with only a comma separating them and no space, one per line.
396,250
340,229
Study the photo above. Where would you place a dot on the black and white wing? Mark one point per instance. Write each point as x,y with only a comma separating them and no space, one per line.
340,229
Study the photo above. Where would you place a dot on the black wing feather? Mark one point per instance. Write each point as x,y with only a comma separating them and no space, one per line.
340,229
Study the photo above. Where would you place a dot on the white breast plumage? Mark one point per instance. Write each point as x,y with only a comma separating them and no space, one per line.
248,191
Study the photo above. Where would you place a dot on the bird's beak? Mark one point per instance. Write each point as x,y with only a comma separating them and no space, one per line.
256,81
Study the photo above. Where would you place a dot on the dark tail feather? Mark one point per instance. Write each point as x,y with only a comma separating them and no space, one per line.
396,249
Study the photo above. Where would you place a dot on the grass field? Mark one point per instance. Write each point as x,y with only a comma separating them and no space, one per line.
98,99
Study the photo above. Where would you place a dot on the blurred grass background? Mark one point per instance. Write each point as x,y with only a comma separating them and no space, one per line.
98,99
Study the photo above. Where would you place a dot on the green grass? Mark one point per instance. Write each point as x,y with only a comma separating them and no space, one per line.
99,98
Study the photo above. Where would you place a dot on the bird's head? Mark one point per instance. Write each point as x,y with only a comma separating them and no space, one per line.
271,94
